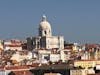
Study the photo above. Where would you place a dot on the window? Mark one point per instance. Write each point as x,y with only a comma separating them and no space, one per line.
45,32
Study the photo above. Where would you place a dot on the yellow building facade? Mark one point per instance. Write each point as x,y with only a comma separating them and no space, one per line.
86,63
81,71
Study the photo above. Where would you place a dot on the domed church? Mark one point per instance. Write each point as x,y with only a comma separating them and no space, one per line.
45,40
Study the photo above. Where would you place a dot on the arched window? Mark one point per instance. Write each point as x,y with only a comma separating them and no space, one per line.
45,32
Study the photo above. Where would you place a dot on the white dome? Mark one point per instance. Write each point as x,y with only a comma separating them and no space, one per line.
44,24
44,27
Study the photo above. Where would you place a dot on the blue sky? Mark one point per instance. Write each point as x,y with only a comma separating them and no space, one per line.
76,20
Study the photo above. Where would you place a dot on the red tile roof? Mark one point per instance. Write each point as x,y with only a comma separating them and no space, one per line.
1,67
24,72
16,67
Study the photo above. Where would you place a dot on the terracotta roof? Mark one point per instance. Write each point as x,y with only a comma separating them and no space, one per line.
1,67
89,46
17,67
13,45
24,72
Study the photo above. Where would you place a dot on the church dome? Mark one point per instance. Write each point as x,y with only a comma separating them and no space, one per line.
44,27
44,24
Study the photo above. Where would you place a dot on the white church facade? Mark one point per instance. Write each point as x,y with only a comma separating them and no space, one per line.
45,39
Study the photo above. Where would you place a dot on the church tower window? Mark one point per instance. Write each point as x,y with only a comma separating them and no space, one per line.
45,32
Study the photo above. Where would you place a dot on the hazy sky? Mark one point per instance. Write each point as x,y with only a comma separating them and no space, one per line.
76,20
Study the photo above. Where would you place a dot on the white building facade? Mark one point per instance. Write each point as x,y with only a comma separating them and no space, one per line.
45,39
